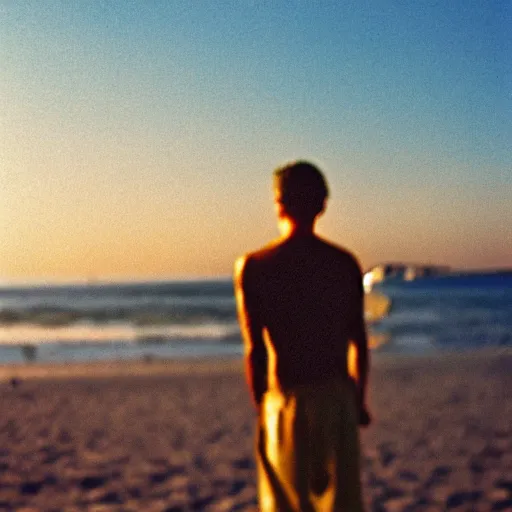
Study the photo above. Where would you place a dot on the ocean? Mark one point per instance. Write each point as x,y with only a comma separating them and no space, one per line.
197,318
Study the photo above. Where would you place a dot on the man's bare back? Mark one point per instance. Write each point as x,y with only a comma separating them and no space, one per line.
306,293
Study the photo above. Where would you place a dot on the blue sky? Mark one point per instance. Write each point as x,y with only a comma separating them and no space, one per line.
143,134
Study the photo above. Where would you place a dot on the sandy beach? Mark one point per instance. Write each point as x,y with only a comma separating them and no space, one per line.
171,436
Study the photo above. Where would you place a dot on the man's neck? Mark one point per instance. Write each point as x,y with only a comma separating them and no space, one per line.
291,229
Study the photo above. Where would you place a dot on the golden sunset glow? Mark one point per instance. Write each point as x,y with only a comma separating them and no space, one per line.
135,149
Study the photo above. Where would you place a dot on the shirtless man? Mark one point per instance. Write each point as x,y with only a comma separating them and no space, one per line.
300,306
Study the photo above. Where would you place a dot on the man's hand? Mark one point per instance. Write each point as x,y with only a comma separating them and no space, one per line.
364,416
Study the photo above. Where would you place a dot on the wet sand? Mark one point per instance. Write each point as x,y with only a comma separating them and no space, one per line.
170,436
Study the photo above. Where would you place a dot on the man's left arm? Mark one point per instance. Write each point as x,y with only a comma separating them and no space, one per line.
360,338
251,327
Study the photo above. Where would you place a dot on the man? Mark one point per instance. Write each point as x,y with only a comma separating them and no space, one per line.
300,305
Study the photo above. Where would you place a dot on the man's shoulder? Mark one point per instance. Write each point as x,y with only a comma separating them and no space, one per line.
253,259
277,252
343,255
263,253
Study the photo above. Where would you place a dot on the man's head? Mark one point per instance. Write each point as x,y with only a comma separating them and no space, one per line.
300,191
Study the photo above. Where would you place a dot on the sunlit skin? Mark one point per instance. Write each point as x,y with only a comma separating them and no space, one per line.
268,291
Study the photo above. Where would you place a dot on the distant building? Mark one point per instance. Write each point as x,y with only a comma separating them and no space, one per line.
390,272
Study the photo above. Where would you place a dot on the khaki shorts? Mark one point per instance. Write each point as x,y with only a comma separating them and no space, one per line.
308,450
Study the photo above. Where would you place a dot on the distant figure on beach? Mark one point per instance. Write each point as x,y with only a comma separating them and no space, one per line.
300,306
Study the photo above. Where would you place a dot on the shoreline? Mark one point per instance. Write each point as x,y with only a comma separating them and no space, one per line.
121,368
205,365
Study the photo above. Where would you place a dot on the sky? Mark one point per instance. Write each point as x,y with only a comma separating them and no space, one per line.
138,139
